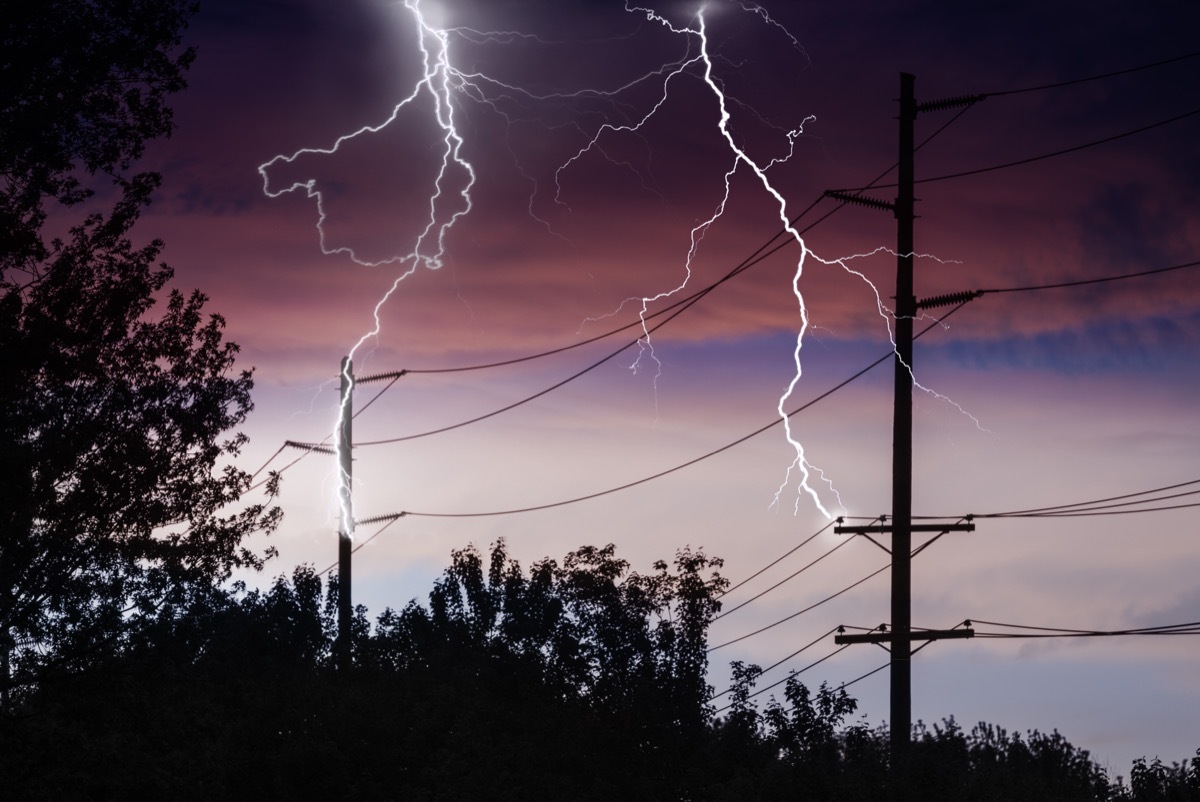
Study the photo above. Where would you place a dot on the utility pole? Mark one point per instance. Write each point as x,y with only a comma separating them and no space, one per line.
901,528
345,502
906,310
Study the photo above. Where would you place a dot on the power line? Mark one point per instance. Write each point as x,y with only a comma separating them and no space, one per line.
1082,282
775,422
829,598
689,463
861,677
779,662
759,255
375,534
783,581
1032,159
1099,506
777,560
1093,514
813,664
1075,81
1189,628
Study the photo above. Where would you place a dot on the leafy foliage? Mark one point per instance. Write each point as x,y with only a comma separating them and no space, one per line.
558,682
115,413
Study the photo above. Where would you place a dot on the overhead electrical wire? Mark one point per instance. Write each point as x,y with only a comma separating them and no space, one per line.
759,255
1040,157
810,403
783,581
861,677
1189,628
1101,280
1094,506
691,462
1096,513
777,560
812,606
798,671
778,663
1073,82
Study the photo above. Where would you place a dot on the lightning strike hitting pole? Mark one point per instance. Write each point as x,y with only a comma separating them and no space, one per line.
439,80
344,446
450,195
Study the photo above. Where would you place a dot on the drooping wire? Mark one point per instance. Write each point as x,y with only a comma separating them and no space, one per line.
362,543
1040,157
781,582
1086,506
812,606
312,446
861,677
701,458
1102,280
773,685
1189,628
1102,76
777,560
778,663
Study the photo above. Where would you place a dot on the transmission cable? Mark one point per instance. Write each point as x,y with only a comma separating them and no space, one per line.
783,581
311,447
797,672
1190,628
691,462
814,605
861,677
1031,159
777,560
364,542
1075,81
1102,280
778,663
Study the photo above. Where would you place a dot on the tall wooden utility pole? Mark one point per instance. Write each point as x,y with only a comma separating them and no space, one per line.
901,527
906,310
346,522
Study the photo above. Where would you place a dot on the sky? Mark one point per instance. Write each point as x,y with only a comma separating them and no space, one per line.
596,177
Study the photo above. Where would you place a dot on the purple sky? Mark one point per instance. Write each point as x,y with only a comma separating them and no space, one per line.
1038,399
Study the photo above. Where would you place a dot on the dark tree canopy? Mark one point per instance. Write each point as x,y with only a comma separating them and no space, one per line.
83,87
118,395
567,681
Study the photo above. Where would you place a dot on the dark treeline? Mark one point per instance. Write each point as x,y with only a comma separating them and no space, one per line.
579,680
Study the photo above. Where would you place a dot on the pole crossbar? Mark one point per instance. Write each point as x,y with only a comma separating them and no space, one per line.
887,637
884,529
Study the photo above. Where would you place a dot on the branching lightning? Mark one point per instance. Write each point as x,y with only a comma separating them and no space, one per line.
439,79
449,196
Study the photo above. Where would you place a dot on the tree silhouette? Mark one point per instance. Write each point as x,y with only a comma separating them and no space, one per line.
116,416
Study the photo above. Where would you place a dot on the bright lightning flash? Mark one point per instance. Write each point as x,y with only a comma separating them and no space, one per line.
439,80
449,196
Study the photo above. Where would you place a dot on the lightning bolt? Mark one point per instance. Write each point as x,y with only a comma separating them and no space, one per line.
800,466
439,80
443,84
